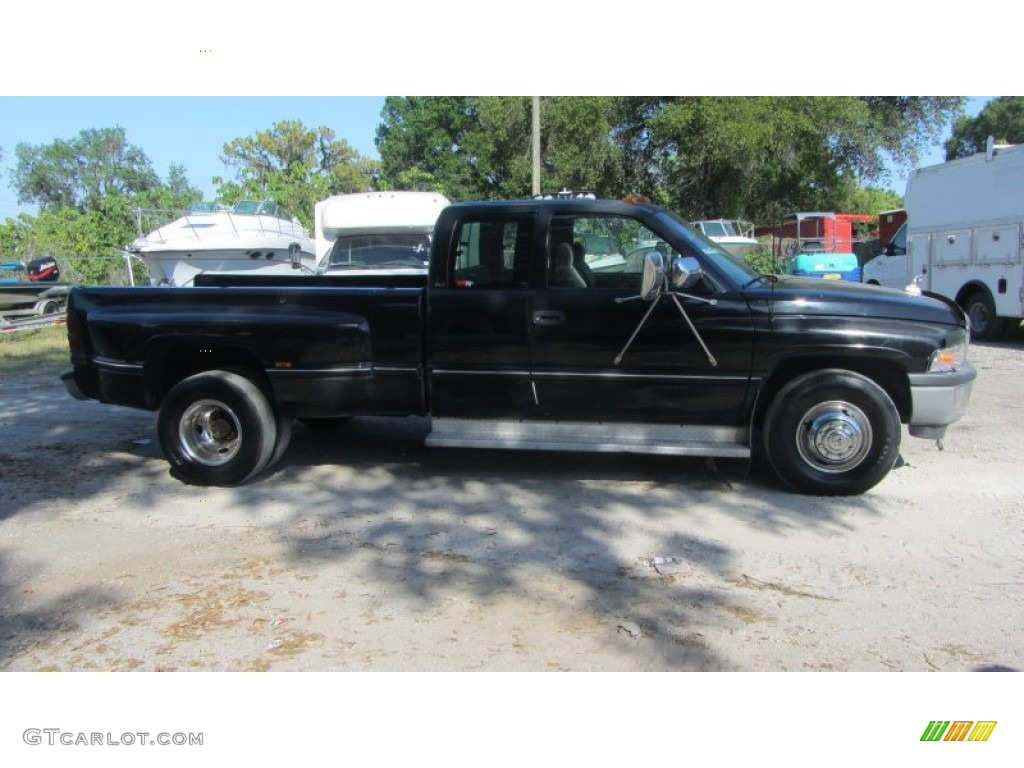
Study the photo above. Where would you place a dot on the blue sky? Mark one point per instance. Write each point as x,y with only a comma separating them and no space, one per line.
192,130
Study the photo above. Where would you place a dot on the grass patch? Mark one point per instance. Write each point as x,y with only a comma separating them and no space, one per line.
43,351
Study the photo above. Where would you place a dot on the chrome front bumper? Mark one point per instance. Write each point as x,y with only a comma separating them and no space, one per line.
939,399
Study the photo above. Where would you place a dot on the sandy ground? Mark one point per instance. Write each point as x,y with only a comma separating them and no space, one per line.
363,550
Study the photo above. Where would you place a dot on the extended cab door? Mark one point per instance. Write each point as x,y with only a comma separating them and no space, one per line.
478,363
583,312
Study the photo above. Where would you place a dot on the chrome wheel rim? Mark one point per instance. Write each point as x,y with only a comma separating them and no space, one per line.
834,436
209,433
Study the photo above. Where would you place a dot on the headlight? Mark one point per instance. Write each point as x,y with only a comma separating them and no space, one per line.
949,358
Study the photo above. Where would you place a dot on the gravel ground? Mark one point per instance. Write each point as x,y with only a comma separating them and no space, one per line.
363,550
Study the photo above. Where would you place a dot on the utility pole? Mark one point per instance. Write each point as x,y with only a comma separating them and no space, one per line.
536,145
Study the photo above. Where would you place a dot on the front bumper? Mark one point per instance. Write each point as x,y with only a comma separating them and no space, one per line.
939,399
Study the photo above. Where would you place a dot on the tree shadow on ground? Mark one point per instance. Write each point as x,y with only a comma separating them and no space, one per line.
57,621
423,521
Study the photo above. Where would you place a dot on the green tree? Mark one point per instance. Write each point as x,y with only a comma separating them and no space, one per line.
481,147
1002,118
748,157
295,166
87,246
761,157
576,145
80,172
870,200
423,141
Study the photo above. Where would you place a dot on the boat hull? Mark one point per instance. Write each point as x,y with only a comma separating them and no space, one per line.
223,241
180,267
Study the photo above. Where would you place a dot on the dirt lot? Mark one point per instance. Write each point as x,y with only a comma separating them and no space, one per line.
363,550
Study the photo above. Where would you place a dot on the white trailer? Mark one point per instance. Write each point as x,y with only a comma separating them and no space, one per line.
376,231
965,221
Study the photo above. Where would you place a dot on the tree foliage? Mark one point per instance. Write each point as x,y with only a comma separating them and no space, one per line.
79,173
87,245
422,145
481,147
1002,118
749,157
295,166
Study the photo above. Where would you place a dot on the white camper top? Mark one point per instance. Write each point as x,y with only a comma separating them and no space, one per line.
370,213
984,188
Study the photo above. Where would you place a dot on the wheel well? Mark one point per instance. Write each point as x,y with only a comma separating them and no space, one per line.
971,288
179,361
887,375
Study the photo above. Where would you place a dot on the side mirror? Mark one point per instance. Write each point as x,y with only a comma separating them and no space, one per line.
686,272
294,255
654,276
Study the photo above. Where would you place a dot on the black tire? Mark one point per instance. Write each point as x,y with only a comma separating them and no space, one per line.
217,428
981,314
284,437
832,433
48,307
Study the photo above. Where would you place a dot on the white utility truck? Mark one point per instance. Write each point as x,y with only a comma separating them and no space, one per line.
965,221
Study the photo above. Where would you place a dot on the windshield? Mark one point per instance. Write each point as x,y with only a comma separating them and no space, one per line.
898,244
734,267
391,250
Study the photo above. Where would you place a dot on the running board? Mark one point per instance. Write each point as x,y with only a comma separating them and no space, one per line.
590,437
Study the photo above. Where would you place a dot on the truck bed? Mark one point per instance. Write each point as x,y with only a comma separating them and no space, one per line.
317,359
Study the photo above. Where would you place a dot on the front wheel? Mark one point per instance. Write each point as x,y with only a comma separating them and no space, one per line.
832,433
217,428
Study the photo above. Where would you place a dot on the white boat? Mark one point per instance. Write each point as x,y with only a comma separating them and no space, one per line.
737,237
372,233
249,237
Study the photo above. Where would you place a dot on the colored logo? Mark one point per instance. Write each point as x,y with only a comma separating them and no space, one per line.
958,730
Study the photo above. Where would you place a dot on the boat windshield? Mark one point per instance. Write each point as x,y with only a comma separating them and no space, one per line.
724,228
207,207
716,229
734,267
259,207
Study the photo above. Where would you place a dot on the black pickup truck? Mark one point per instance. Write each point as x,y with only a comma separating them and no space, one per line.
565,324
